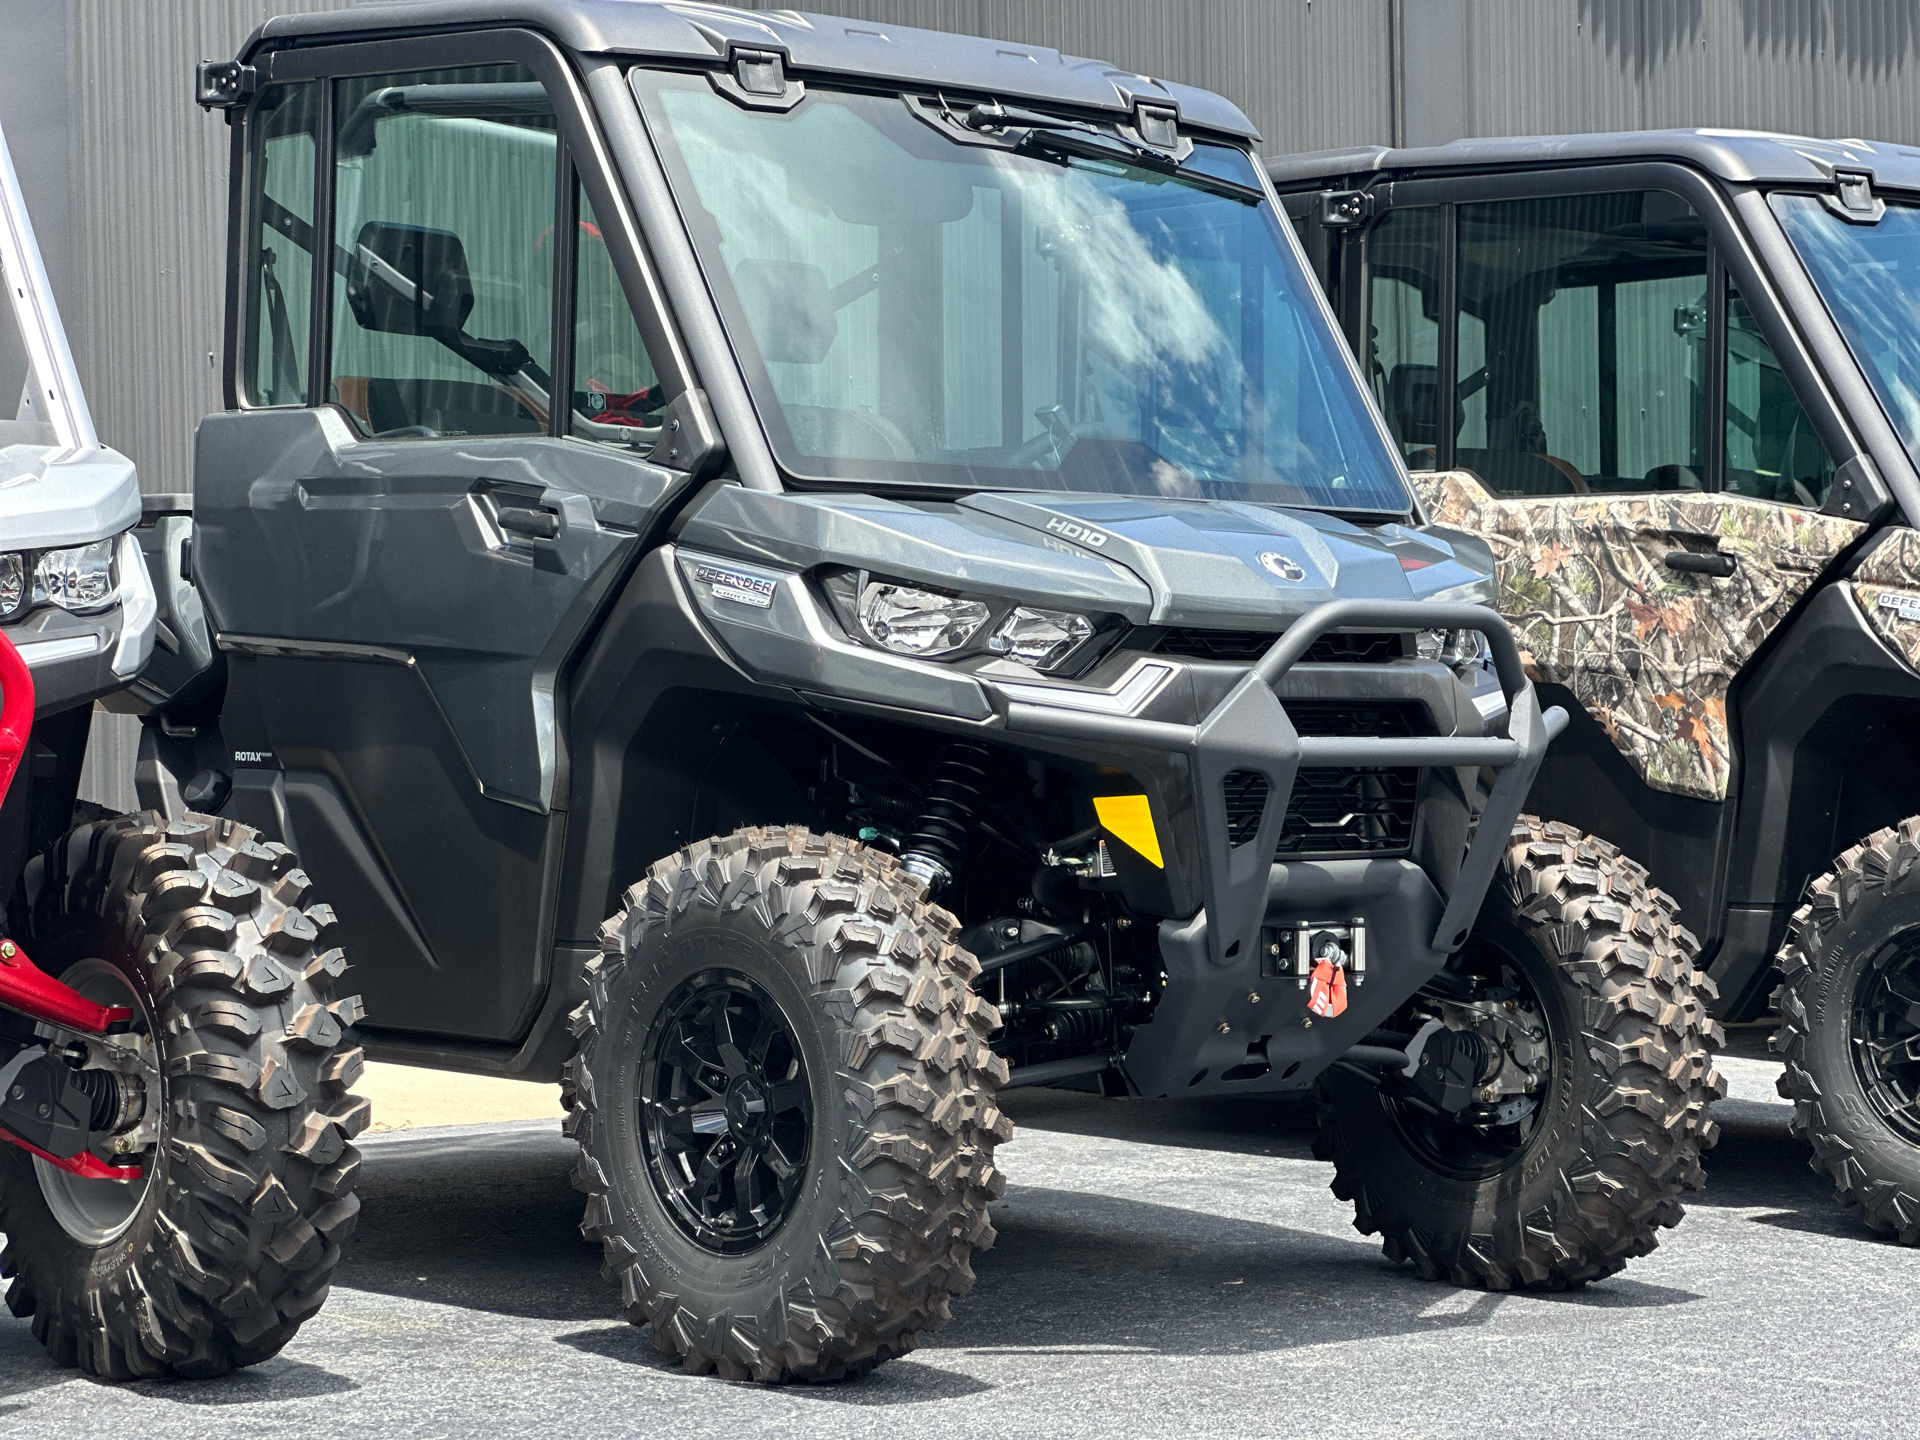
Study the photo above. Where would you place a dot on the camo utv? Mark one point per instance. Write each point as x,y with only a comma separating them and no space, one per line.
888,518
1668,378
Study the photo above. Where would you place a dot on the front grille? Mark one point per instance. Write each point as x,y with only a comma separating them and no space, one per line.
1337,810
1246,646
1350,812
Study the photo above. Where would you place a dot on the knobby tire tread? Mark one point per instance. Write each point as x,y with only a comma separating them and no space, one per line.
255,1170
914,1063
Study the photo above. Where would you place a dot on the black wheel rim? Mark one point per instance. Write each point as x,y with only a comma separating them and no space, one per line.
1884,1035
726,1112
1454,1145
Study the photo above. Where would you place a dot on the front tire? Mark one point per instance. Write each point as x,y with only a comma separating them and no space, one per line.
229,1241
1851,980
1599,1156
784,1102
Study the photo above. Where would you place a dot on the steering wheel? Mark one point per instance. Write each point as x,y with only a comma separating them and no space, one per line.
1054,442
404,431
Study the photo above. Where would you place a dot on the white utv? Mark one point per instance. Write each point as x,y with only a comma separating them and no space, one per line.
175,1177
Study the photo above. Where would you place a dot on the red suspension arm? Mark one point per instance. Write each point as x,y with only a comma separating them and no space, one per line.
24,986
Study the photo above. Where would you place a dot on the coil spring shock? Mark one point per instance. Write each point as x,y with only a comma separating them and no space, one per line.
938,843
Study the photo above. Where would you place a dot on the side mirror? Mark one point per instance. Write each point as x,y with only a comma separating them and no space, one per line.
409,280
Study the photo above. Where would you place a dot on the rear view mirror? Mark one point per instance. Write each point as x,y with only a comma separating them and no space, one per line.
409,280
790,308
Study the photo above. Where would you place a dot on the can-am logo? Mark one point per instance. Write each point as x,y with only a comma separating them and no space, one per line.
1079,534
1285,566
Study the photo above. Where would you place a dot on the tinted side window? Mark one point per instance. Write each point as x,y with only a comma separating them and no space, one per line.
1772,451
1582,344
1403,329
280,261
444,206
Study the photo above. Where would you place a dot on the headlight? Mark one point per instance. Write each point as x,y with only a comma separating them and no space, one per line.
929,624
1039,638
1459,648
13,584
76,579
911,621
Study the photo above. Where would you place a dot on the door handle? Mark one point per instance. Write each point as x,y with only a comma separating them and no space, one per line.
1692,562
538,524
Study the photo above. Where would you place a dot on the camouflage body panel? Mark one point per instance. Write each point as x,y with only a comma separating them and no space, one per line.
1648,650
1886,586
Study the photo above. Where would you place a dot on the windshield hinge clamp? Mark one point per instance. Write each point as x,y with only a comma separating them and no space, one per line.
223,84
1157,125
1854,200
757,79
1344,209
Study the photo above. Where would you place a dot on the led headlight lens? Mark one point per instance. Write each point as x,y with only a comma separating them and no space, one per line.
76,579
1458,648
13,583
911,621
1040,638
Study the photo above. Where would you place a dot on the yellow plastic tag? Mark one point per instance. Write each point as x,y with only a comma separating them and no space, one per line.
1129,820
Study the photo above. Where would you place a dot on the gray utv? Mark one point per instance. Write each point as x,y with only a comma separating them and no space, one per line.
888,518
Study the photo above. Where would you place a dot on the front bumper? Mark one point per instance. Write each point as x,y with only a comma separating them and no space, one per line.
1218,1007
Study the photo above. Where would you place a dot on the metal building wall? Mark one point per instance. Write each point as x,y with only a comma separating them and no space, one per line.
147,214
1518,67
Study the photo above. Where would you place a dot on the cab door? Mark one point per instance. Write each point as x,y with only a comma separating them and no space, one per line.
433,477
1579,379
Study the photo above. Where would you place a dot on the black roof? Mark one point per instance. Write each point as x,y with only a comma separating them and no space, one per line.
1737,156
814,45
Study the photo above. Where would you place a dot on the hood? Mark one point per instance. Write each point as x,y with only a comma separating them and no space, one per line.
1210,563
50,496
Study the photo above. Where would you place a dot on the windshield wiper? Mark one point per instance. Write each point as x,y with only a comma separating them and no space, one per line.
1089,142
1073,136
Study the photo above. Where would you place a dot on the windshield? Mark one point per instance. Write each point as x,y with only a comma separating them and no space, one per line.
1869,276
920,304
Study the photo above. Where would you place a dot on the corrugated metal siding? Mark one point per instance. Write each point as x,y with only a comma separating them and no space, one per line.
148,216
1814,67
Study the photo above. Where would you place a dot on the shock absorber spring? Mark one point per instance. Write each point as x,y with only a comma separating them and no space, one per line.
938,844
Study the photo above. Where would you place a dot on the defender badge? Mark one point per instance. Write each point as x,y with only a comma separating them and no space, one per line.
1285,566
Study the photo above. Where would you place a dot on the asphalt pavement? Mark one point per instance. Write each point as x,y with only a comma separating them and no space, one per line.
1168,1269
